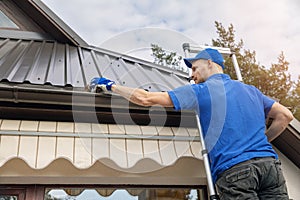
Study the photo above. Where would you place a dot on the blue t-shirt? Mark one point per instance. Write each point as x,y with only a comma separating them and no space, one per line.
232,116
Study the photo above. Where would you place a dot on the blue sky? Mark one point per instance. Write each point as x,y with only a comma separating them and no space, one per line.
268,26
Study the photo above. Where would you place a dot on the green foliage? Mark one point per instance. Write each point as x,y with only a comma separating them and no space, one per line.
161,57
275,82
279,81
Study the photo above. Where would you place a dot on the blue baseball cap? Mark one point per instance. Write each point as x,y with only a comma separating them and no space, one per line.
206,54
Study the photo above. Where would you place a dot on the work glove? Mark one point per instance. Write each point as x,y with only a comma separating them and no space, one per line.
97,85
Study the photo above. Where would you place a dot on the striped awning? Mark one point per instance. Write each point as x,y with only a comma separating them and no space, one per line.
134,149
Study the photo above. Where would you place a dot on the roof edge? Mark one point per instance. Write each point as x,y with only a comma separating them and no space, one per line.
37,103
50,22
58,22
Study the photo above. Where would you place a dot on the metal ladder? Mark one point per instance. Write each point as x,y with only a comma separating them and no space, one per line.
187,48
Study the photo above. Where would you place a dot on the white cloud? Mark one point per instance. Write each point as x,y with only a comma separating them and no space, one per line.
268,27
143,38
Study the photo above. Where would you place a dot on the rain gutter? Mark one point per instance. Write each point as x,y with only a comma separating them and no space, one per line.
67,104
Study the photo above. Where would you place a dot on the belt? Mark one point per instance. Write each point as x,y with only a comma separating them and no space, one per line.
252,160
255,160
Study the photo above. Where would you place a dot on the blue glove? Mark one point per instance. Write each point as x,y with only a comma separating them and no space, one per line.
100,84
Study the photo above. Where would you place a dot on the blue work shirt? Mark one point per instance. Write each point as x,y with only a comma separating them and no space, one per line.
232,116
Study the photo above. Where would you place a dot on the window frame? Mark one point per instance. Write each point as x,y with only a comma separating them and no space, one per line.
17,16
13,23
19,192
29,192
201,189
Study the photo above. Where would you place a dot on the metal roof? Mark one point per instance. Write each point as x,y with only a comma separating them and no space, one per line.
58,64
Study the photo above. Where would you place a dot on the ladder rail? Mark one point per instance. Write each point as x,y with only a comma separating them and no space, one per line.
189,48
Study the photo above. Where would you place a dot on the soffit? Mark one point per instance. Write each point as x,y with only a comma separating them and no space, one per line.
289,142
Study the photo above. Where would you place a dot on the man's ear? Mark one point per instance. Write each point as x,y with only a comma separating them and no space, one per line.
210,63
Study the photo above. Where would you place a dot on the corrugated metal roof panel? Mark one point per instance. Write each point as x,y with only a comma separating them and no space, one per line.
57,64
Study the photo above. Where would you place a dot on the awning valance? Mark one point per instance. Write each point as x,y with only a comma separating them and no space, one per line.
121,147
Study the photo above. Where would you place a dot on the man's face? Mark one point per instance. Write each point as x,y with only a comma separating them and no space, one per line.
200,70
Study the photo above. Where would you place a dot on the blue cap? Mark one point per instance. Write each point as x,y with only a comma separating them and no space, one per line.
206,54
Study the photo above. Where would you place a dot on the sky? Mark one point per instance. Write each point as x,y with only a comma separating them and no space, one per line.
266,26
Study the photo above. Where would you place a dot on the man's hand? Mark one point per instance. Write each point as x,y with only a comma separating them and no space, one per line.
97,85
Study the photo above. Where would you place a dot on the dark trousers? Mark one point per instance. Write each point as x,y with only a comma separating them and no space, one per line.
258,178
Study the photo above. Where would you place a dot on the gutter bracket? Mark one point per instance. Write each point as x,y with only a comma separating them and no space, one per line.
15,94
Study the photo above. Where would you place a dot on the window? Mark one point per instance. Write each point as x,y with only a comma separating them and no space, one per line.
5,22
8,197
12,17
12,194
125,193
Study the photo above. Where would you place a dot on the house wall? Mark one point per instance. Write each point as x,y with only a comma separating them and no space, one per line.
292,176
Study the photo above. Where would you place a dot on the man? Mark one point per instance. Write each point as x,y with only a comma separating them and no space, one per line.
232,115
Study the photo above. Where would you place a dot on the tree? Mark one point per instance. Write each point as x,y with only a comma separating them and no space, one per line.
279,81
161,57
275,82
295,100
251,71
227,39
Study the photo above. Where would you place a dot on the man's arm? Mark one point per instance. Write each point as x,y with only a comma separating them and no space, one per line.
137,96
281,118
142,97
